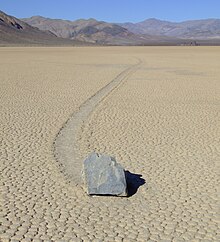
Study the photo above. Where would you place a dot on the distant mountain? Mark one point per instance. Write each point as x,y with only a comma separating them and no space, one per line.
149,32
89,30
39,30
16,32
194,29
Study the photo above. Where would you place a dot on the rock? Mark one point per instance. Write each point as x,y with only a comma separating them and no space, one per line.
104,176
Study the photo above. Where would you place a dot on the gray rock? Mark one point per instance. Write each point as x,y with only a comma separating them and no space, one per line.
104,176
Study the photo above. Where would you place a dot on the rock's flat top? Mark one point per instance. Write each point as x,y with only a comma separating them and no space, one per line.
104,176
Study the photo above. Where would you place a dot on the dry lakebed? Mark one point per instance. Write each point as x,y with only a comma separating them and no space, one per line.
156,109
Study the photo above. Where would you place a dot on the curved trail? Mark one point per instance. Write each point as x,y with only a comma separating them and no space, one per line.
66,149
162,123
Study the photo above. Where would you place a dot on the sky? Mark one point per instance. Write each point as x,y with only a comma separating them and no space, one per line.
114,10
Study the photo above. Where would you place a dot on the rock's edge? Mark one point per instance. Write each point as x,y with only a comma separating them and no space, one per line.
86,179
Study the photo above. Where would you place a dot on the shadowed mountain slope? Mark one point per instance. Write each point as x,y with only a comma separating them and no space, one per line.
89,30
16,32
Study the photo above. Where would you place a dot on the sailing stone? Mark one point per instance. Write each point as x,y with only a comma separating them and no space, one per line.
104,176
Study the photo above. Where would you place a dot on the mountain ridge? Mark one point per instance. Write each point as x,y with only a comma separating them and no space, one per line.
39,30
190,29
150,30
14,31
90,30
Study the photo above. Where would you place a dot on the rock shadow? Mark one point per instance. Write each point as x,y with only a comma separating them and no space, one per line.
134,181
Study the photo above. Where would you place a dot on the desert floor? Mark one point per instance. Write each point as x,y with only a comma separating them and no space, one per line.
161,122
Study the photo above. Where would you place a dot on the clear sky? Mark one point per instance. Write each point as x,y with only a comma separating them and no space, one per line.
114,10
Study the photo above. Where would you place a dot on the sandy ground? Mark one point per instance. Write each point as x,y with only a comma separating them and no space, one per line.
161,122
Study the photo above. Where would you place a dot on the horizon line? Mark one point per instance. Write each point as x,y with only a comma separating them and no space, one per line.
101,20
97,19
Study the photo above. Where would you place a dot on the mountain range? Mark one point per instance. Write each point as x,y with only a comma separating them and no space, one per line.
38,30
194,29
14,31
88,30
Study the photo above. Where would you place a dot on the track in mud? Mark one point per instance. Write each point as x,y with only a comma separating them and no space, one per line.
66,148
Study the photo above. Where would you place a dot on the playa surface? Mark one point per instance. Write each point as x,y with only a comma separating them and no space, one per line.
161,122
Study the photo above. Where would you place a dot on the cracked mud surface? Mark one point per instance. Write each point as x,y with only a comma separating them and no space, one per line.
66,145
158,124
